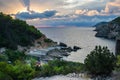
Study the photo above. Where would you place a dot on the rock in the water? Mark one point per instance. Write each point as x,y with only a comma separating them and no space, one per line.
57,53
62,44
75,48
67,49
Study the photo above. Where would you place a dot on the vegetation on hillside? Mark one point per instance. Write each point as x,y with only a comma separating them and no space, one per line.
18,71
118,63
15,65
100,61
116,20
14,32
60,67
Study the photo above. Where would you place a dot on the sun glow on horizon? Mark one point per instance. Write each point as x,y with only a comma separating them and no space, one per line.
24,10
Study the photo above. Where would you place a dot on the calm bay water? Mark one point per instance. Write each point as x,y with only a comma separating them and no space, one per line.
82,37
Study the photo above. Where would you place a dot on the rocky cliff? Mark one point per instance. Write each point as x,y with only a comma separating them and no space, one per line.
110,30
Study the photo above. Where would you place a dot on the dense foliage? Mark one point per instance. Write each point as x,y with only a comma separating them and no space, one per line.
14,55
14,32
18,71
118,63
100,61
57,67
14,66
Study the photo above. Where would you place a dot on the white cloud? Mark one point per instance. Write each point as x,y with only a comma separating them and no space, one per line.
92,13
87,12
81,12
113,7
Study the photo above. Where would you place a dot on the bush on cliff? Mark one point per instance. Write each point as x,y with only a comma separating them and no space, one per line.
100,61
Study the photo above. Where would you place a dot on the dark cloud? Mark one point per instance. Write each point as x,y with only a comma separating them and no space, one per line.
34,15
92,5
26,3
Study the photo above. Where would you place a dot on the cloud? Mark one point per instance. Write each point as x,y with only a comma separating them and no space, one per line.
35,15
92,12
26,3
81,12
87,12
71,20
113,7
71,12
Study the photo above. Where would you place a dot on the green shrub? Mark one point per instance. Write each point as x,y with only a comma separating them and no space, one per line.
15,55
57,67
48,40
3,58
100,61
18,71
118,63
23,71
5,71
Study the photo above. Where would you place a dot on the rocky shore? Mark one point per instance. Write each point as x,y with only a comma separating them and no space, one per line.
54,51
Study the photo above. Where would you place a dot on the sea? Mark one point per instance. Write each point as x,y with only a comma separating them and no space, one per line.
84,37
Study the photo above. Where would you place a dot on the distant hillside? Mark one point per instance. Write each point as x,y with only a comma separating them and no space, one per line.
100,24
14,32
110,30
116,21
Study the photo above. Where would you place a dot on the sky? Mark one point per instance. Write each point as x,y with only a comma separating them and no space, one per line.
62,13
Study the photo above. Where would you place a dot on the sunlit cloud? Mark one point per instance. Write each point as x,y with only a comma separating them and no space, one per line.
87,12
62,12
113,7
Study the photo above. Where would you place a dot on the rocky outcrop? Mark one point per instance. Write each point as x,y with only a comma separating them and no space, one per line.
75,48
110,30
66,48
62,44
57,53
